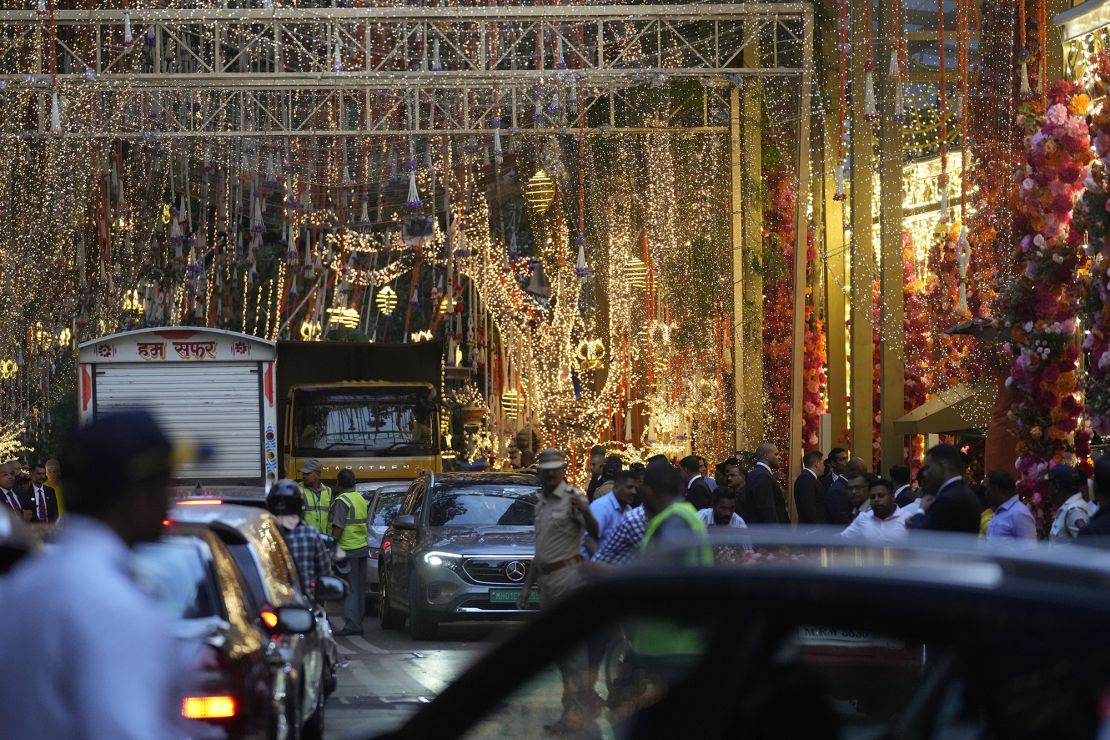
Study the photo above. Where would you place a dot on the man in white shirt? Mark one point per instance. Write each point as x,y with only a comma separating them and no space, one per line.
87,652
884,523
723,513
1068,489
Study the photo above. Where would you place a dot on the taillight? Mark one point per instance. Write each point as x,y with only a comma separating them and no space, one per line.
167,522
269,618
208,707
200,502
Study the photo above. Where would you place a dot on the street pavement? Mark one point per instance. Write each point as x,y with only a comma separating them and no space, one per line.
388,675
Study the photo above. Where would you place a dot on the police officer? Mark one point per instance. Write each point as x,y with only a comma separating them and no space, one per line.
317,496
348,526
306,544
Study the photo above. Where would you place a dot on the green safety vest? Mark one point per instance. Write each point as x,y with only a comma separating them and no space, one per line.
353,536
317,507
661,637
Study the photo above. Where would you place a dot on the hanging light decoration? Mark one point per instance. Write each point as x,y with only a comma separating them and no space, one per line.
635,272
590,354
386,300
346,318
539,191
511,403
311,330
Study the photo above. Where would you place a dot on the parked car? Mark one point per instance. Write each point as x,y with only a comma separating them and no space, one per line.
458,549
383,505
304,659
784,638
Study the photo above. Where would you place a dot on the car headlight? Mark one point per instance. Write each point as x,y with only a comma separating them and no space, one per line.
442,560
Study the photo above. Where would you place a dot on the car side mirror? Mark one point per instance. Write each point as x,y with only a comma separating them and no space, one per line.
288,620
406,522
330,588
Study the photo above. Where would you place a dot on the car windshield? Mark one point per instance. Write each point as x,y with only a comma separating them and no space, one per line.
470,506
386,508
342,423
176,572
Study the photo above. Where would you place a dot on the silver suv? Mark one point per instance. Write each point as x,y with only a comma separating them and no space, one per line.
459,549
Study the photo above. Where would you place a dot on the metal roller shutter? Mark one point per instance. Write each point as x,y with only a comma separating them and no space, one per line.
217,405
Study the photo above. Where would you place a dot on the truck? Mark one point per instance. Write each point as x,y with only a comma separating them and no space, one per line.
261,408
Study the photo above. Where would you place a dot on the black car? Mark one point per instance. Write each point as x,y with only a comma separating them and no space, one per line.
303,660
458,549
784,638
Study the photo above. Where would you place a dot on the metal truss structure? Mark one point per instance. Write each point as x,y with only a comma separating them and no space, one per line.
396,71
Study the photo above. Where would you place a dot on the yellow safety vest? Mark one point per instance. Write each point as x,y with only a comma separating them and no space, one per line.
353,536
664,638
317,507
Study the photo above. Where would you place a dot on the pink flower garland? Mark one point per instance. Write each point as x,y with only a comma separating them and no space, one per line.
1094,211
1039,306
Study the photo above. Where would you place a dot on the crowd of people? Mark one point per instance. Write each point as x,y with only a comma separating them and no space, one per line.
31,490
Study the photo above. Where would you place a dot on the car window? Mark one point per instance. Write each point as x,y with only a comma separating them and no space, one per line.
386,507
244,559
414,500
176,572
267,567
815,682
483,506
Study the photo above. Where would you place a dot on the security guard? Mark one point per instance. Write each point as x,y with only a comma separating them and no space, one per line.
348,527
317,497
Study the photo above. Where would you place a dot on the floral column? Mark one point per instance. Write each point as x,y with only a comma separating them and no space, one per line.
1039,307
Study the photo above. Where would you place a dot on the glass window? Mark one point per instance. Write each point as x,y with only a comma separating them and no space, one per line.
177,573
483,506
386,507
241,552
349,422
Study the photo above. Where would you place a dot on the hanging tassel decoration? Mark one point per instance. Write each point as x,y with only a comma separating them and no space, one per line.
870,110
537,114
128,39
462,250
580,269
895,75
437,65
337,63
55,114
560,63
963,260
841,180
364,221
258,226
309,270
1026,90
498,150
413,201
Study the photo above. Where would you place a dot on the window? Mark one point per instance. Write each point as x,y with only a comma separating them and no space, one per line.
176,571
353,422
387,506
483,506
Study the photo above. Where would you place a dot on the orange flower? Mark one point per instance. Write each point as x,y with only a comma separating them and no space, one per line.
1079,104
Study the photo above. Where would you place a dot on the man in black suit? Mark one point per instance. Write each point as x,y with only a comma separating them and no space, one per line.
8,495
838,499
597,463
765,502
900,476
956,507
809,492
39,498
697,490
834,466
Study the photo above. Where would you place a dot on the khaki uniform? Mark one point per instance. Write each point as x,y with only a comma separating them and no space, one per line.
559,528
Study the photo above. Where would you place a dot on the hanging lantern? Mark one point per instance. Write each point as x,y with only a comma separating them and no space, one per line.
512,403
539,191
8,369
346,318
590,354
386,300
635,272
311,330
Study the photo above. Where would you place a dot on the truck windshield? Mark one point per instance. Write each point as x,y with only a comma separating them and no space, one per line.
349,423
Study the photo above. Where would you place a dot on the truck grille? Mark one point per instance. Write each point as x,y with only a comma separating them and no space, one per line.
495,570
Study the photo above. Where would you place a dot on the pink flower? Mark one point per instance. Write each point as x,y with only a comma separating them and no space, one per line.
1056,116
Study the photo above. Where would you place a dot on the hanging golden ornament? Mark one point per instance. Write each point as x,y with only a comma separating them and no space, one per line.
539,191
590,354
344,317
8,369
311,330
635,272
511,403
386,300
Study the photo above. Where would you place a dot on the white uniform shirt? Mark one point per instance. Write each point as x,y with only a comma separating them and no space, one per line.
737,522
1071,517
86,653
871,528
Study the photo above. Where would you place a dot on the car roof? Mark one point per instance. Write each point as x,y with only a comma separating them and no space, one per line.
248,521
484,478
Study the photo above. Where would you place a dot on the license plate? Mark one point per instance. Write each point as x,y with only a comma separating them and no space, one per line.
510,595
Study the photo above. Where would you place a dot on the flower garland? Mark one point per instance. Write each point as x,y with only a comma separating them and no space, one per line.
778,306
1039,307
1094,211
814,360
916,338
